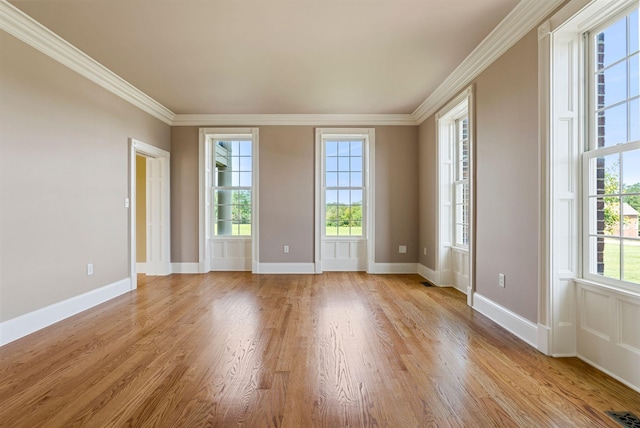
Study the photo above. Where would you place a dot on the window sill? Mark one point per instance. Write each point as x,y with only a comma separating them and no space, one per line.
611,288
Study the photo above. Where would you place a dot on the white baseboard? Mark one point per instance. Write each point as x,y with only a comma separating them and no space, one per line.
428,274
141,268
392,268
544,339
23,325
286,268
610,373
521,327
231,264
344,265
185,268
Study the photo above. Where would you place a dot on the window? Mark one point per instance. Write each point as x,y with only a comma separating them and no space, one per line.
344,186
232,187
461,182
612,156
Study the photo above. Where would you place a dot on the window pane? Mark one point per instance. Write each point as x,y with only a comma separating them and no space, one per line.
343,179
631,171
331,197
614,82
343,164
356,228
631,214
356,164
633,32
356,197
245,163
245,179
611,216
245,148
331,229
631,261
612,42
634,78
356,148
344,197
356,179
343,148
610,257
331,148
608,175
331,214
332,179
634,120
332,164
612,126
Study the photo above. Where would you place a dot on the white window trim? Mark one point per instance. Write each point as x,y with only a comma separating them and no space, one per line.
461,105
368,135
557,311
205,171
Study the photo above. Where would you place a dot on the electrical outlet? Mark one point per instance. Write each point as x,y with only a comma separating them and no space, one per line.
286,249
425,251
501,280
90,269
402,249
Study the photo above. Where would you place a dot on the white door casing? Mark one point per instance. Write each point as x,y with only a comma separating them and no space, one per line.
158,210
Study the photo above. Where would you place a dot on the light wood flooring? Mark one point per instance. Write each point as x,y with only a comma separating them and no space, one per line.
331,350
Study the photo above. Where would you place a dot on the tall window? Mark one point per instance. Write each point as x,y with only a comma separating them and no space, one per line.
232,187
461,182
612,156
344,186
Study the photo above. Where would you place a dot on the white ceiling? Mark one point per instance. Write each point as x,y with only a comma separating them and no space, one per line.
276,57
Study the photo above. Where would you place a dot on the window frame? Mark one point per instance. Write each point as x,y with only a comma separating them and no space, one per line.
456,182
228,138
204,183
344,138
590,151
368,197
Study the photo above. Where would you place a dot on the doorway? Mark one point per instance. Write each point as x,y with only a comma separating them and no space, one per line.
152,236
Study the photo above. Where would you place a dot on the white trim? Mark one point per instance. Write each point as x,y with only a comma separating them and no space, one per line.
369,136
159,251
141,267
393,268
522,19
610,373
544,339
286,268
27,29
294,119
461,105
429,274
204,170
31,322
519,326
185,268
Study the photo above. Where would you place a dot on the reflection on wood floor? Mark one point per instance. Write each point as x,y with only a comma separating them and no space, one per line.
334,350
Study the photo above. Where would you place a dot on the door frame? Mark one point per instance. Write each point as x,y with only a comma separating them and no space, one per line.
158,210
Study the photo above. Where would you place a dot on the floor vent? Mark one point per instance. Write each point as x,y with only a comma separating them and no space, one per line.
626,419
427,284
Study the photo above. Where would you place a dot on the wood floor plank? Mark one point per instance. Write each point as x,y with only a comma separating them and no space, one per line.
338,349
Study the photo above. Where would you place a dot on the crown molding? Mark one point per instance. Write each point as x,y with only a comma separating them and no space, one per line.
25,28
293,119
522,19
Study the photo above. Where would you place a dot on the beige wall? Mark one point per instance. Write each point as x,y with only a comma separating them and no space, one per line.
184,194
427,180
507,203
141,209
287,193
507,179
63,180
